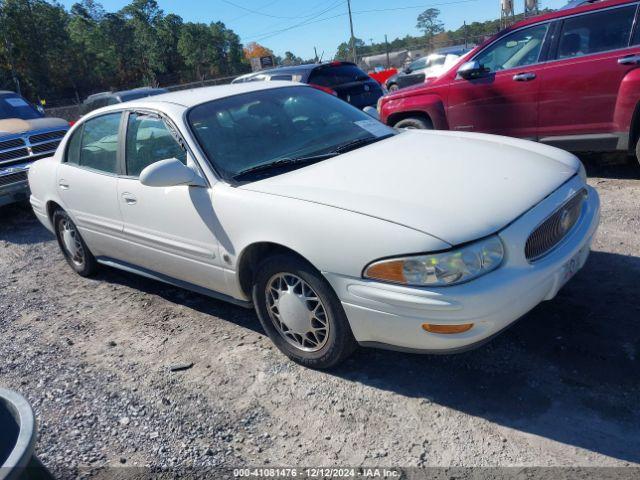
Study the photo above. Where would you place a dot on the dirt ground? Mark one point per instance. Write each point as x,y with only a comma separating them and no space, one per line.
93,356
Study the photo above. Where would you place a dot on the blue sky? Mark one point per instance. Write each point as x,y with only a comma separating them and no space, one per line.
268,27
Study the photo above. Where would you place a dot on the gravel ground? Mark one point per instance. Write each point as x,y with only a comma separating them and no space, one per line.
93,357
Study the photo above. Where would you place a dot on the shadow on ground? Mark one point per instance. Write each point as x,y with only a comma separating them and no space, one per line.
611,165
568,371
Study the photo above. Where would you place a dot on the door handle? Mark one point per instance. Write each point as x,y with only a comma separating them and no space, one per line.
629,60
129,199
63,184
524,77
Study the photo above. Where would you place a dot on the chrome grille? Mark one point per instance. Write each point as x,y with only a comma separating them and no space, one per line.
13,154
42,137
13,178
555,228
30,148
45,147
13,143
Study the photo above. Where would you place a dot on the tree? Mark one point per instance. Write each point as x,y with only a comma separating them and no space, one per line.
291,59
255,50
429,24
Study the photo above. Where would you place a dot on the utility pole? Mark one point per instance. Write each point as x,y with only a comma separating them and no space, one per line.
465,34
386,48
353,40
316,54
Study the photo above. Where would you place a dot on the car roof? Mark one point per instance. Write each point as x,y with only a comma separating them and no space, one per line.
587,7
293,69
196,96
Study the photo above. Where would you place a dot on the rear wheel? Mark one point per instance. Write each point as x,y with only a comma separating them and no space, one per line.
301,313
72,245
414,123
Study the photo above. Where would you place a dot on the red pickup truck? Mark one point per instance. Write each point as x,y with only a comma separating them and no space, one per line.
569,78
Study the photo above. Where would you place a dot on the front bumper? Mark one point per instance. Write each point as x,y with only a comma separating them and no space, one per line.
14,186
391,316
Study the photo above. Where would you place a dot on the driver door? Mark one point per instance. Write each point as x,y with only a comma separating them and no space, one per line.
169,230
504,99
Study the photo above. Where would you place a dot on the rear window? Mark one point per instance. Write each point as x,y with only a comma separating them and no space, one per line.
14,106
331,75
596,32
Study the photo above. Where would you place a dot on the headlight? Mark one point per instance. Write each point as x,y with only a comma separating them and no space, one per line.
582,172
439,269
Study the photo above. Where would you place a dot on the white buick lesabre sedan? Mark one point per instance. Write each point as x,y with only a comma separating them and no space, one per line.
337,229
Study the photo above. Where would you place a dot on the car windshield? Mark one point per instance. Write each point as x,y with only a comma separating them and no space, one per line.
14,106
253,129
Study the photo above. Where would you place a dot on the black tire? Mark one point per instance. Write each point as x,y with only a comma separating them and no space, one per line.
339,342
88,265
393,87
415,123
638,150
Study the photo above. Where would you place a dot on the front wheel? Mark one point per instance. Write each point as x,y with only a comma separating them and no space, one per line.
414,123
72,245
301,313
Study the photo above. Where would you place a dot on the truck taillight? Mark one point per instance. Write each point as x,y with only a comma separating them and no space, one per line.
328,90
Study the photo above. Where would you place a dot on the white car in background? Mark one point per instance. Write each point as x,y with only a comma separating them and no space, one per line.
338,229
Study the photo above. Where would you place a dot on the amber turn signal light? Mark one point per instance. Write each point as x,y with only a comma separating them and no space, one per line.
434,328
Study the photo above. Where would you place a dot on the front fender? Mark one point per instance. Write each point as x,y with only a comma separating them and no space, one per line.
333,240
430,104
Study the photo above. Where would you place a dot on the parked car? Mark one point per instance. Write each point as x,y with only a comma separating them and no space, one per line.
422,69
568,78
281,197
102,99
25,136
341,79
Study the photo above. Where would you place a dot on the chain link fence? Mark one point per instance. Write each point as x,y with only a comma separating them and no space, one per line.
69,108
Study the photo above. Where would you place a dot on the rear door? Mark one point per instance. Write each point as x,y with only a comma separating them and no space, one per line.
169,230
349,82
87,182
591,56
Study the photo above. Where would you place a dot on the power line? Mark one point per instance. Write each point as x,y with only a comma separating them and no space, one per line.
301,24
258,12
311,21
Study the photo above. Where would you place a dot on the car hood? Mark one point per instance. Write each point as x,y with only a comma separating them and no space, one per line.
11,126
454,186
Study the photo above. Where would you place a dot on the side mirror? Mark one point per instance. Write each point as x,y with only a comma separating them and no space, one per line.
170,173
407,70
372,112
471,70
40,108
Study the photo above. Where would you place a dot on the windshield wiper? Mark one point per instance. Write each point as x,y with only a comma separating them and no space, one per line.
361,142
283,163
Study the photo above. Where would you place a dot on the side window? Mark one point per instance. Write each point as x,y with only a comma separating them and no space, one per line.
418,64
149,140
73,147
515,50
596,32
99,143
